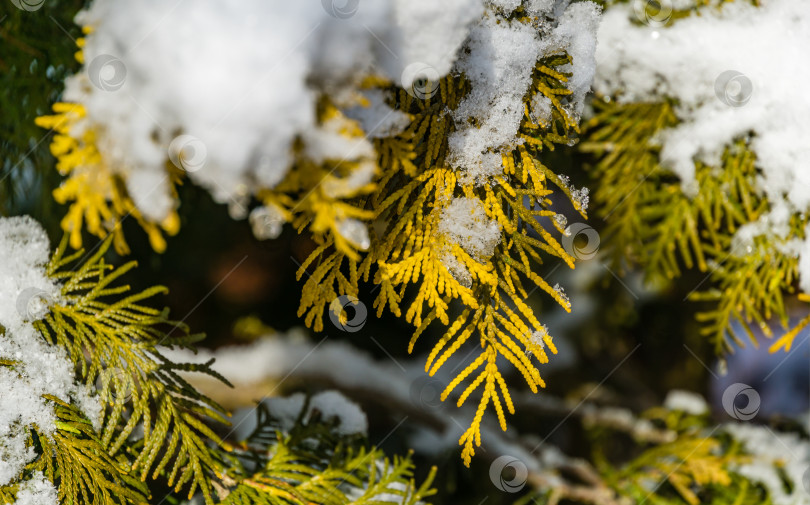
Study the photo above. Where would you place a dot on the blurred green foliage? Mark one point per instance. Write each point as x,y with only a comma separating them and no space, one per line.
37,50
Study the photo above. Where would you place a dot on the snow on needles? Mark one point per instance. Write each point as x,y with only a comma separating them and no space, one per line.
499,60
39,368
37,491
464,222
243,77
728,85
499,65
775,456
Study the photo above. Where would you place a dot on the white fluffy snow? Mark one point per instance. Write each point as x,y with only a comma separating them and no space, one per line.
499,64
430,33
686,401
333,405
40,368
243,77
465,222
737,72
576,33
37,491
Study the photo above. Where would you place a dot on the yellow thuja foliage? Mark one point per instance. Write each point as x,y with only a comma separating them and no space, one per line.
314,195
694,463
311,195
651,221
97,194
409,249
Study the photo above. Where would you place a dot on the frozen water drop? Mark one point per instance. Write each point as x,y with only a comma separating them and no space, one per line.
266,222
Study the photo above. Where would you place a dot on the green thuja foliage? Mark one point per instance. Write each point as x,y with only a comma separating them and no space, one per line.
37,54
653,222
154,425
113,339
85,471
311,464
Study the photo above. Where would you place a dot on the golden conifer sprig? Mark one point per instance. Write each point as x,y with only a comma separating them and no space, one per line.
319,196
96,194
417,186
